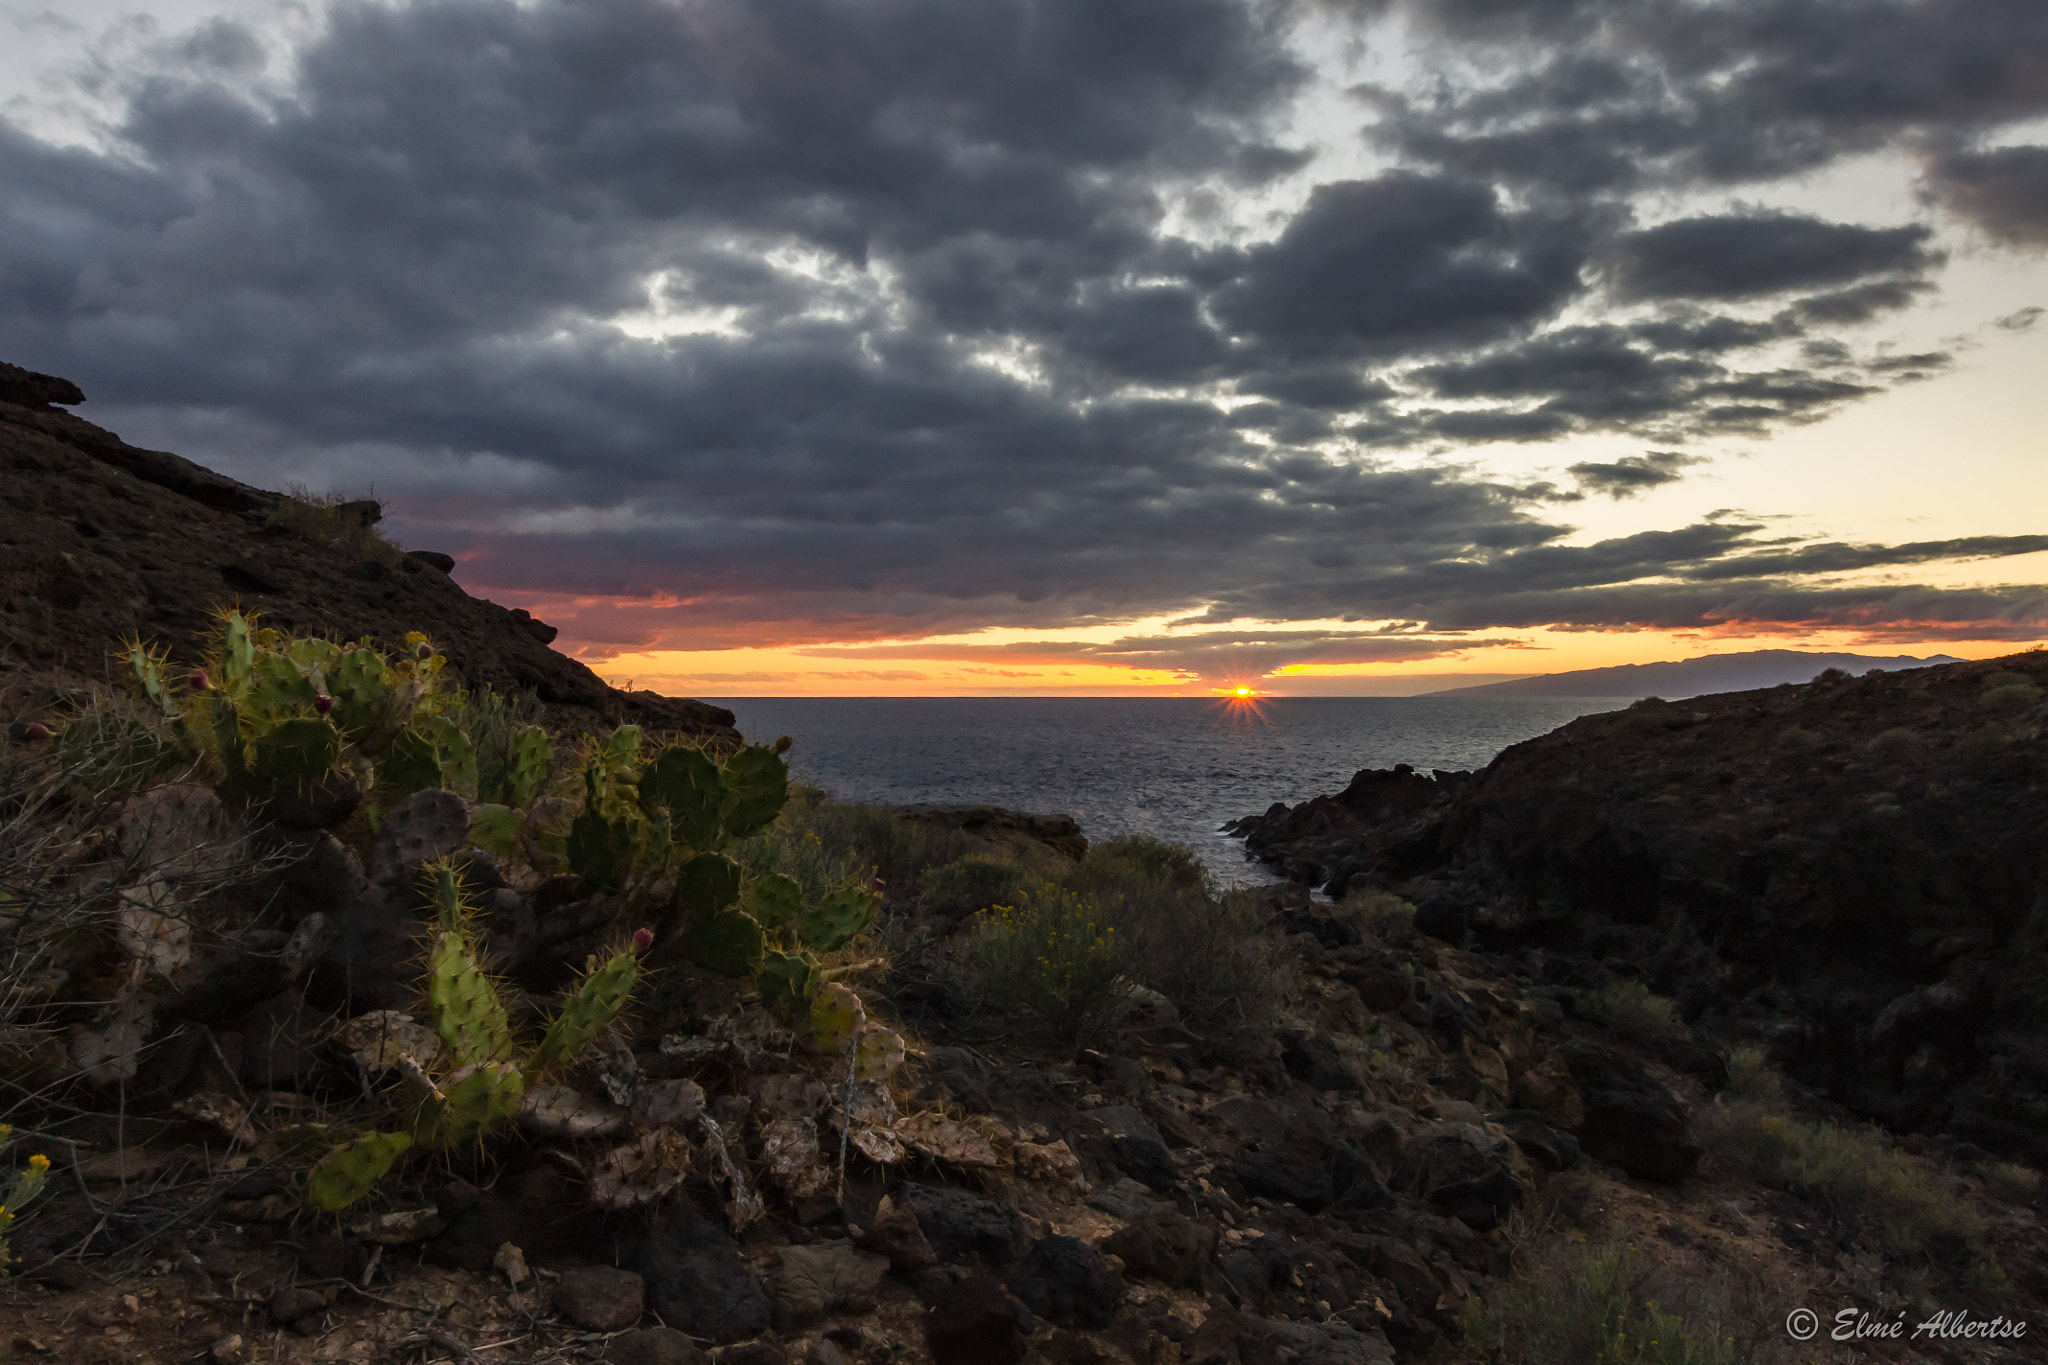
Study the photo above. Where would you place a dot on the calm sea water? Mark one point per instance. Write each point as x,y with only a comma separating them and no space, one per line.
1174,768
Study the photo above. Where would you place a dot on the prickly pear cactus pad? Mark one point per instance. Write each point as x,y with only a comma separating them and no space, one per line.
707,884
775,900
835,920
295,750
593,1007
836,1017
788,982
353,1169
471,1102
756,788
685,783
728,943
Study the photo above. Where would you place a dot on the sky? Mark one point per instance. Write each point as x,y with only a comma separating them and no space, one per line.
772,347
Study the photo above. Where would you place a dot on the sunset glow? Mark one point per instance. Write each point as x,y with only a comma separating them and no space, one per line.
862,349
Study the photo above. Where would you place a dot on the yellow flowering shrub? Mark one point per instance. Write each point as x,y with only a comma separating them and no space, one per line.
27,1184
1050,956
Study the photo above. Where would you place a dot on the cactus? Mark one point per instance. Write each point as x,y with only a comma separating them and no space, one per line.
487,1086
470,1103
603,851
147,665
467,1012
788,982
237,664
589,1010
707,884
756,787
728,943
295,750
686,784
775,901
353,1169
528,774
495,829
834,921
836,1017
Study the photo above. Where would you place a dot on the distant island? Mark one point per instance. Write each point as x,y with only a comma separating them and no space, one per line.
1677,678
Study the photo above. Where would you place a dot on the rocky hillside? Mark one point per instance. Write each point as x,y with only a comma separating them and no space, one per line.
101,541
1854,871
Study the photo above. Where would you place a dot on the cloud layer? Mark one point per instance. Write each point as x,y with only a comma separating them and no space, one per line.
798,321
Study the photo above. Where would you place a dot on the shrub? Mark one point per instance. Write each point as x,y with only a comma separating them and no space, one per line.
20,1193
336,521
1629,1007
1379,913
1751,1077
1051,958
2009,1182
1574,1302
971,883
1880,1193
1214,957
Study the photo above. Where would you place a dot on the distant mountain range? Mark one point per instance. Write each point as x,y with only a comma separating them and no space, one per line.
1741,672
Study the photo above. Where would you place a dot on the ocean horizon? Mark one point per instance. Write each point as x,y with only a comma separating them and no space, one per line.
1175,768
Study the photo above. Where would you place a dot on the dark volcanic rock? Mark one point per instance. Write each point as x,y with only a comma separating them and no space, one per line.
600,1297
976,1322
1810,855
1464,1171
697,1282
959,1224
1067,1281
109,541
1165,1246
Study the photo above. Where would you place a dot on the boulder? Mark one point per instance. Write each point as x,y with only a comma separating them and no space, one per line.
1067,1281
1165,1246
976,1322
698,1282
834,1277
959,1224
1470,1174
600,1298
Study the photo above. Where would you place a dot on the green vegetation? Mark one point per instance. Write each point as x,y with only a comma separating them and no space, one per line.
2009,1182
21,1191
1888,1199
1631,1008
1575,1302
677,841
1381,914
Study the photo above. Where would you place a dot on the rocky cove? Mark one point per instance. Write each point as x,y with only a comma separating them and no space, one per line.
1663,1026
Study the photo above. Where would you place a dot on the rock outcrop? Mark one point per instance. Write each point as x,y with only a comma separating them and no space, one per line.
101,541
1855,869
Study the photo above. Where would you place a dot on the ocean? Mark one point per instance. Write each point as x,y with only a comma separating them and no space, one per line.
1175,768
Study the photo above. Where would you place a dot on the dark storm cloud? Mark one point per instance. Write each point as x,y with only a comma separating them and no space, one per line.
1633,474
1743,256
1398,263
729,322
2003,191
1609,95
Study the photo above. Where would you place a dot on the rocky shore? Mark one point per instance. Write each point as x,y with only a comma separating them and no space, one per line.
1853,871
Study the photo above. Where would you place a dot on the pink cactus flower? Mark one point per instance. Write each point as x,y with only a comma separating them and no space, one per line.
322,704
200,682
876,885
643,939
35,732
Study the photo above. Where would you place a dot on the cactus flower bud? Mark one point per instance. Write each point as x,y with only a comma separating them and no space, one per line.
876,885
782,743
35,732
643,939
199,680
322,704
